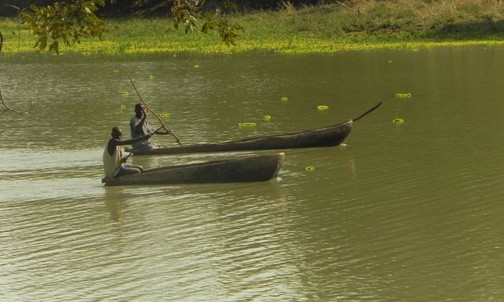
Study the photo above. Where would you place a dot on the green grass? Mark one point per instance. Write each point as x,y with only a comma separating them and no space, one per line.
355,25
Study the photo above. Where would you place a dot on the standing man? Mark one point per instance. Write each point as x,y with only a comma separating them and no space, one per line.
113,160
140,127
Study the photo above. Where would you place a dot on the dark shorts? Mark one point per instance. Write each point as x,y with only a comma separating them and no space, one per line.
125,170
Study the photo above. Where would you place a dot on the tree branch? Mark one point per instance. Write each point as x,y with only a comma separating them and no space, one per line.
7,108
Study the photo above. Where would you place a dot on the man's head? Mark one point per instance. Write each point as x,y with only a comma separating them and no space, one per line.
140,109
116,133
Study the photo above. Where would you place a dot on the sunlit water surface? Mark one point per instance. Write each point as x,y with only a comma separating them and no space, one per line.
405,211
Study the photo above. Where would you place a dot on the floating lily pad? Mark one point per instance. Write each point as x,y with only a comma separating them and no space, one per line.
310,168
403,95
398,121
247,125
322,107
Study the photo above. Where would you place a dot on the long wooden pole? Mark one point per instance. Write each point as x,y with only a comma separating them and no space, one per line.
153,113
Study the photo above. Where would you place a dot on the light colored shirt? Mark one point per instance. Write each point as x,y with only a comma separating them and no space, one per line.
112,163
146,129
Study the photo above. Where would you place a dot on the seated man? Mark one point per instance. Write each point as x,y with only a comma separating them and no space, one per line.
139,127
113,160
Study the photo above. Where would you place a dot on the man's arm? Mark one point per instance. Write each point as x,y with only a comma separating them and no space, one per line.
139,125
166,131
131,141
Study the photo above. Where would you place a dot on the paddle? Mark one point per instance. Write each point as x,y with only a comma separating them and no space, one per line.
153,113
122,161
367,112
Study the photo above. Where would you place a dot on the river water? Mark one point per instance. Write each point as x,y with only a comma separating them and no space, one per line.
409,208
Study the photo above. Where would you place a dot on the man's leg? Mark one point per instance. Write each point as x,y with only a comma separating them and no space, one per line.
130,169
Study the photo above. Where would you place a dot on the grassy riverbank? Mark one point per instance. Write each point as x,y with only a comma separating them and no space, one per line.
356,25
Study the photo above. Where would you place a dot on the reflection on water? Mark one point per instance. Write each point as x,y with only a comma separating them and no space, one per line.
407,211
114,201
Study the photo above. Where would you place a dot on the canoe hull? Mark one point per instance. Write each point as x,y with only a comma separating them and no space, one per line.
322,137
246,169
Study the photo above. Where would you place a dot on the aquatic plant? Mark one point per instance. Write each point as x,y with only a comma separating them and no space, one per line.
165,115
398,121
310,168
247,125
403,95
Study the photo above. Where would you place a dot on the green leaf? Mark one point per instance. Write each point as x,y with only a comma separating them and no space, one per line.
41,43
54,47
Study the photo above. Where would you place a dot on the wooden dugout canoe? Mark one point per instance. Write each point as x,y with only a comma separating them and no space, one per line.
321,137
245,169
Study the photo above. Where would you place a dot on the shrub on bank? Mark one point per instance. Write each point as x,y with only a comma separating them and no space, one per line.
332,27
